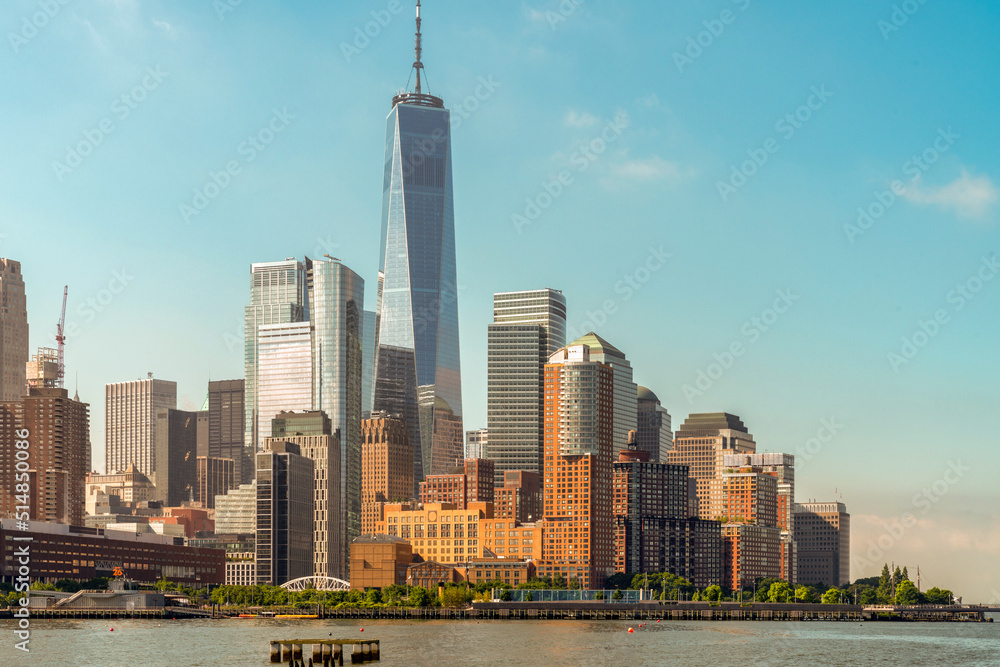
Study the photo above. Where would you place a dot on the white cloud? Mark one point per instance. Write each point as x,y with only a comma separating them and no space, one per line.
650,169
163,25
969,196
580,119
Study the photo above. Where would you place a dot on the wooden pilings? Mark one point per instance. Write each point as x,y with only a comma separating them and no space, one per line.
326,652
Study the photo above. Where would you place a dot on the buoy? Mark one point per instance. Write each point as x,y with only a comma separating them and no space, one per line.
657,620
362,629
111,630
631,630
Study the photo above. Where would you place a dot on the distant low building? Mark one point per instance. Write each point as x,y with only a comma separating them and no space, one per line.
823,536
378,561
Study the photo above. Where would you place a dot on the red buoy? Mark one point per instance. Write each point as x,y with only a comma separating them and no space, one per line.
631,630
111,630
362,629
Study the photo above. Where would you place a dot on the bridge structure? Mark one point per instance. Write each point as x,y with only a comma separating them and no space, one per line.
316,583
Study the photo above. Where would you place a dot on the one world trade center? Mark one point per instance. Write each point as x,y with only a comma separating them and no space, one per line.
417,369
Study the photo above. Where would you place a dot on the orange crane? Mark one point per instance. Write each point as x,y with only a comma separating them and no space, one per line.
61,340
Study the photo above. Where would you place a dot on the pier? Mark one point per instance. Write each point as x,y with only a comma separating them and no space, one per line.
327,652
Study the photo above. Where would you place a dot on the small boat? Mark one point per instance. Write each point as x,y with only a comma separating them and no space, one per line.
297,616
248,616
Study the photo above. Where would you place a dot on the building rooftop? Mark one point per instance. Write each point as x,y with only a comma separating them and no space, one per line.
710,423
597,345
645,394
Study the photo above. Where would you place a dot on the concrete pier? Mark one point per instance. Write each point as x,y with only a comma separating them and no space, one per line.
326,652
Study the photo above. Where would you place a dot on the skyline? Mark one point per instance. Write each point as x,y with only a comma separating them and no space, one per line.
814,365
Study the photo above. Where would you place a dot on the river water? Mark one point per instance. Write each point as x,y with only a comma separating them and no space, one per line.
224,642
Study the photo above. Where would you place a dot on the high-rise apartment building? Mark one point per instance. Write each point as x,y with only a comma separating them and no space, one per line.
418,370
284,372
336,312
226,436
13,331
701,444
284,523
823,536
277,296
310,432
386,467
58,455
580,399
215,477
176,456
751,539
653,432
653,528
476,443
781,467
130,422
626,391
528,328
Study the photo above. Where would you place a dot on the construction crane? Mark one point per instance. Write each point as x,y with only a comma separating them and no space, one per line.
61,340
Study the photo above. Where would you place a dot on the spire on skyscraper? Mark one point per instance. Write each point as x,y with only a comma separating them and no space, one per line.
417,64
417,96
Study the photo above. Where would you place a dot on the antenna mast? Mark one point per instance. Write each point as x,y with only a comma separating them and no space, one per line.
61,340
417,65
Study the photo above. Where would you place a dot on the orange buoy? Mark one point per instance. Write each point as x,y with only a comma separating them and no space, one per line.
631,630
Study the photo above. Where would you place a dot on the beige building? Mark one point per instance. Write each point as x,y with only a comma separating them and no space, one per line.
702,444
13,331
130,423
386,467
378,561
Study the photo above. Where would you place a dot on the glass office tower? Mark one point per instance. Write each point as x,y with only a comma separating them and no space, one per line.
528,327
277,296
417,292
336,311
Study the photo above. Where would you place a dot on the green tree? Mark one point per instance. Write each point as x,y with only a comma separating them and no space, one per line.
780,591
907,593
456,596
574,584
884,591
832,596
806,594
558,582
763,588
527,596
617,595
713,593
696,597
939,596
419,596
374,596
868,595
599,596
505,595
905,576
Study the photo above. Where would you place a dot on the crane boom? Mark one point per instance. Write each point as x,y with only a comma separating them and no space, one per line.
61,340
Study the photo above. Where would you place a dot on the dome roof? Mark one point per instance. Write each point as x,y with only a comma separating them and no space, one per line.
645,394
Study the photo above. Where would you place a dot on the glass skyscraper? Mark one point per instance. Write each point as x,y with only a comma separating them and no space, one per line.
277,296
285,372
528,328
336,312
417,373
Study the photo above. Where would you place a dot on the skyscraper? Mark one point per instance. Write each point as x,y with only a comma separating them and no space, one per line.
386,468
653,433
13,331
59,455
580,396
130,422
528,328
368,363
418,372
702,443
823,534
336,311
626,391
176,456
226,412
277,296
284,372
284,514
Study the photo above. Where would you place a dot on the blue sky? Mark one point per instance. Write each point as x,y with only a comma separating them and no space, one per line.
645,110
